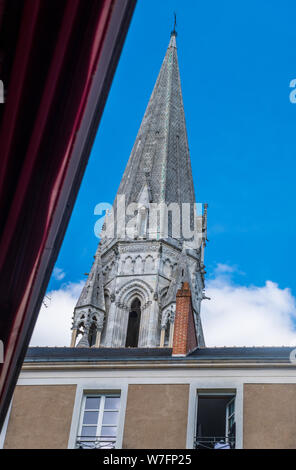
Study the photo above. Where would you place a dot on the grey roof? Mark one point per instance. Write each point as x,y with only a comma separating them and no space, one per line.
48,354
247,354
264,353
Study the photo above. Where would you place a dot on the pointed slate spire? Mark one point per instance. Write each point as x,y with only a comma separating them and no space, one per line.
161,148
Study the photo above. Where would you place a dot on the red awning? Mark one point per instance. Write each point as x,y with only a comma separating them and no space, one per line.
57,60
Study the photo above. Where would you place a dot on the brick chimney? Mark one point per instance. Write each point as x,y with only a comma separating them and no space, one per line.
184,330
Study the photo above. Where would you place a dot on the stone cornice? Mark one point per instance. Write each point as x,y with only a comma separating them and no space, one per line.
155,364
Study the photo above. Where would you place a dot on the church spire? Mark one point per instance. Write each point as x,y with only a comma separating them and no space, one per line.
129,299
161,148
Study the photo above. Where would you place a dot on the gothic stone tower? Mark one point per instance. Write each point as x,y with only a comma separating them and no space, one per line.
129,299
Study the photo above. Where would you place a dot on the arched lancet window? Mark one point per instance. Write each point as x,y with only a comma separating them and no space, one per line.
107,308
133,326
92,335
167,335
80,329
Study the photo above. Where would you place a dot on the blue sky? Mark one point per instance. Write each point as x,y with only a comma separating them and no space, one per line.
236,62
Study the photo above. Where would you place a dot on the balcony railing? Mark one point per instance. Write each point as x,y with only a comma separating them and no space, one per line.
214,442
98,442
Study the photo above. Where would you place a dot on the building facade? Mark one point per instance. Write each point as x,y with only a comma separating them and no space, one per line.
137,373
66,397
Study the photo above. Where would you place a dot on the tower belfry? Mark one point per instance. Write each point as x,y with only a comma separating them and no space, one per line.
129,299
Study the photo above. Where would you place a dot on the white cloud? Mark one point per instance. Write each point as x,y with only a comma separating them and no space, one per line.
236,315
53,327
58,274
224,268
247,315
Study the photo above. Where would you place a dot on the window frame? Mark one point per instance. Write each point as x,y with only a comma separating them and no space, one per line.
229,416
216,392
101,410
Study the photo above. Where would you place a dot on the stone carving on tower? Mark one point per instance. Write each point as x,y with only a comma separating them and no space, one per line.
145,253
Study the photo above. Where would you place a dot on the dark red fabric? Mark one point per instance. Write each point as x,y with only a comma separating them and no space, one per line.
48,67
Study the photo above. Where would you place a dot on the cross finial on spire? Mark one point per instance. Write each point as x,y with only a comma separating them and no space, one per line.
174,32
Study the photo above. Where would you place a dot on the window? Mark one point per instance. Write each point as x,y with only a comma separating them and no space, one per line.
99,422
107,308
133,327
92,335
215,427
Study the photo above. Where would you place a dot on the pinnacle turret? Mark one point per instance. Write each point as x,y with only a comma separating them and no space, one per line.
89,313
